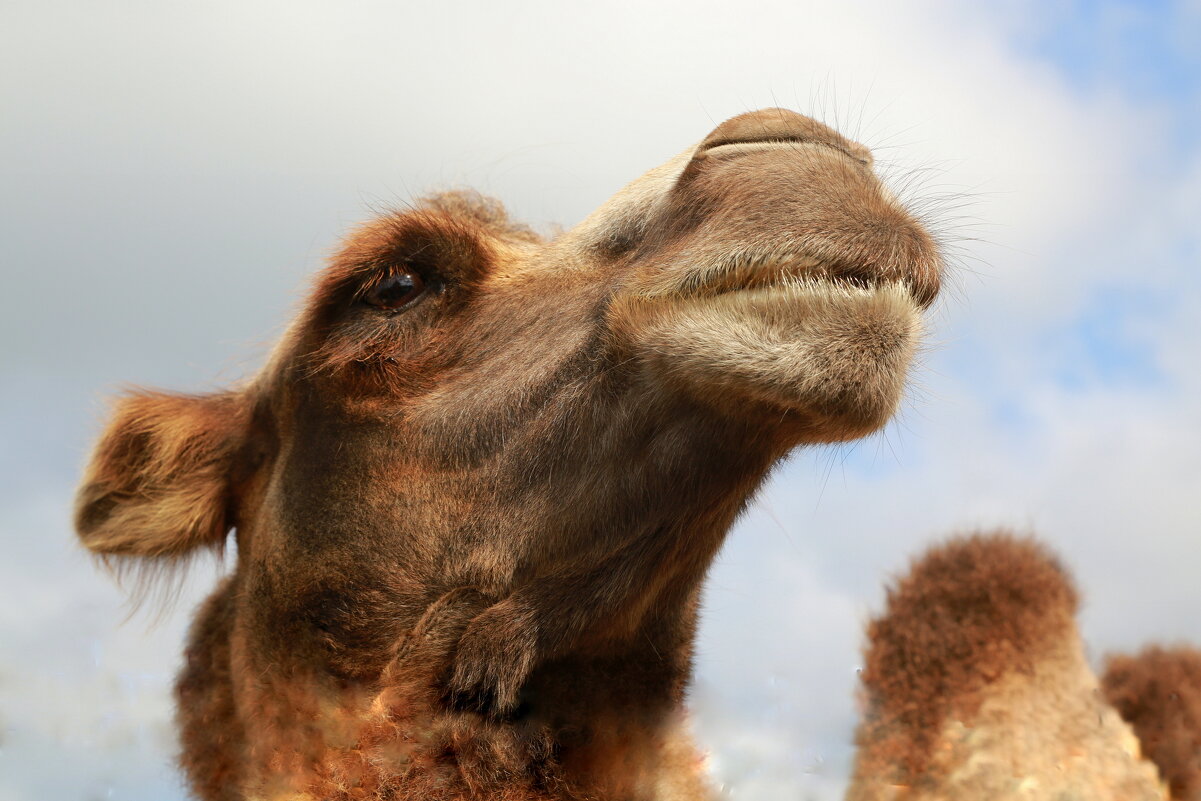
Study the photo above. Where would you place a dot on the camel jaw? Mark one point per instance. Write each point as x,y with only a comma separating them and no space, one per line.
833,353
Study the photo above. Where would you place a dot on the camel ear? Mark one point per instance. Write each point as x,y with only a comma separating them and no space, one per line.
158,484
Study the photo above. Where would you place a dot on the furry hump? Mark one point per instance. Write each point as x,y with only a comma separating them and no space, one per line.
1158,692
977,687
968,612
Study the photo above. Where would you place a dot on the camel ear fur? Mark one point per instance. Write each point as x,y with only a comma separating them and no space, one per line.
158,485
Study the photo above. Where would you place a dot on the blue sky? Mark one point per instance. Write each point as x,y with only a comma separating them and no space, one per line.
1149,52
1143,49
174,174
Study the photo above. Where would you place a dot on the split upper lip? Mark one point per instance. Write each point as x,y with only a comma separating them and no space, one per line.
732,145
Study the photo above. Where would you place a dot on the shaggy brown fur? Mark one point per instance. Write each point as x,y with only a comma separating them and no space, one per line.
478,486
977,687
1158,692
968,612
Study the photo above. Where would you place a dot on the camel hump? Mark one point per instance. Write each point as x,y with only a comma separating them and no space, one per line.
977,686
1158,692
968,611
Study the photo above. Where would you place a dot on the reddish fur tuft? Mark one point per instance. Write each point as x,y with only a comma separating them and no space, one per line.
969,611
1158,692
487,211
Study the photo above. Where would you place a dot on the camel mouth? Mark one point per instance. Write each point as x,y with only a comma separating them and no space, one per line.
790,274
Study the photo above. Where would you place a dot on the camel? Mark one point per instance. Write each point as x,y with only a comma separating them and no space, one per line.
977,688
478,484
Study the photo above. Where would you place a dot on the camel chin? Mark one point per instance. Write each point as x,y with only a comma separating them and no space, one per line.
834,354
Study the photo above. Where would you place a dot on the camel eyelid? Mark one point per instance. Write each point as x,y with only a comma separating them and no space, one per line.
379,273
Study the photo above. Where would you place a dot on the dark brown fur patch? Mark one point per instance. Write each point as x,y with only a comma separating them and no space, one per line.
968,612
1158,692
212,742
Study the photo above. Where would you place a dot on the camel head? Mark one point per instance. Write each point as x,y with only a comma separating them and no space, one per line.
531,446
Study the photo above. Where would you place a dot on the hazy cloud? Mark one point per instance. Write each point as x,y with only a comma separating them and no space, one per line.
174,173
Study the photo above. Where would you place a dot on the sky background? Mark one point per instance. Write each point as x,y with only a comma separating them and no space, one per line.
172,173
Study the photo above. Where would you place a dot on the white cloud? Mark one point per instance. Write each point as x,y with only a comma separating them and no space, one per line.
176,171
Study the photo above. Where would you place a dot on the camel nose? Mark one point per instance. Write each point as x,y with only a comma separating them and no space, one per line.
780,125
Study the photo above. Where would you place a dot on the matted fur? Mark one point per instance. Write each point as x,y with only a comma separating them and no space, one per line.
977,687
1158,692
472,530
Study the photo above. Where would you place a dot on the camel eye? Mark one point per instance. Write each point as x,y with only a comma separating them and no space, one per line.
395,291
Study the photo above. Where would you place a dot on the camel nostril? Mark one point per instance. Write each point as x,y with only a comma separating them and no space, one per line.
762,126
